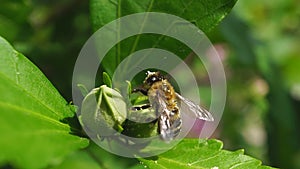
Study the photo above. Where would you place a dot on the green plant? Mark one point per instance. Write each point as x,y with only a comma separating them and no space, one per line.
37,125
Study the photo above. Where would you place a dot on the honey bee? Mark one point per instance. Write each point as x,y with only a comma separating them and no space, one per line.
163,100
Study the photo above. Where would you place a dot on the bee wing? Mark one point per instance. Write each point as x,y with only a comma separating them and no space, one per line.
197,110
165,126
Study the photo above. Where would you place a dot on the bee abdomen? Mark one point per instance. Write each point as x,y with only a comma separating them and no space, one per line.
175,121
176,127
170,124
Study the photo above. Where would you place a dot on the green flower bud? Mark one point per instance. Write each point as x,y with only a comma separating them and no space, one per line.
104,111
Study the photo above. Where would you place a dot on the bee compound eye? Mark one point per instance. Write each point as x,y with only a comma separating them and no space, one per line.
151,80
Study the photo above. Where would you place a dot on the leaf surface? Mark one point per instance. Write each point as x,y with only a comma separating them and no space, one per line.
207,154
204,14
32,110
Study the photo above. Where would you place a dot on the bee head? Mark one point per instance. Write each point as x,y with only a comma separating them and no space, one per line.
152,77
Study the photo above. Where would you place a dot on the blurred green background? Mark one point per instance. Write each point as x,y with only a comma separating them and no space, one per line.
259,43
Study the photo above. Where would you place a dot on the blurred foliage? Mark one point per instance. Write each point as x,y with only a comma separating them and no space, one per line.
259,43
50,33
262,41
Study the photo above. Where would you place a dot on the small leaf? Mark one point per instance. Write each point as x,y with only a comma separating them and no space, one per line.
129,88
107,80
32,134
190,153
83,89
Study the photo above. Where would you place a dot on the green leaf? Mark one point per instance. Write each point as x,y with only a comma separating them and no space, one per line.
94,157
205,14
12,22
84,91
32,134
107,80
190,153
108,160
78,160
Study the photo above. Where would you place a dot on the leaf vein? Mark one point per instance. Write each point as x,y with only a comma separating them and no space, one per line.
34,114
240,163
216,9
205,159
176,162
186,5
32,96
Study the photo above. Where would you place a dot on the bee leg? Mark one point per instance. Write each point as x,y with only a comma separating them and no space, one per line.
143,91
142,107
